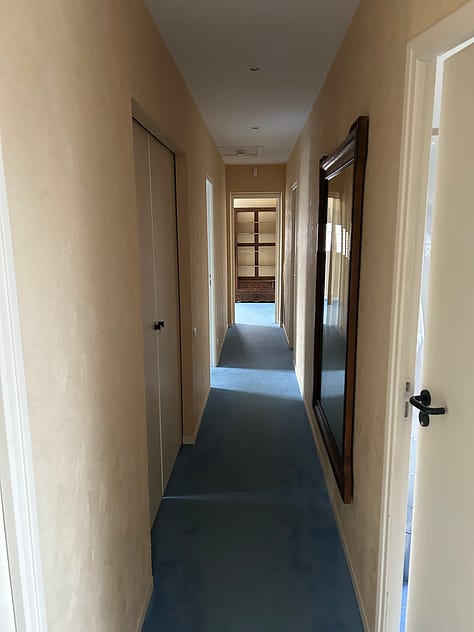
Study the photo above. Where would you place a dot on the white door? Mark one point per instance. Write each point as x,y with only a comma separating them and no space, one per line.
163,202
441,582
155,183
210,269
149,310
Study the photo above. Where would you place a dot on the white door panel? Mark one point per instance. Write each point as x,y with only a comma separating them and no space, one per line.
163,201
155,181
441,582
142,180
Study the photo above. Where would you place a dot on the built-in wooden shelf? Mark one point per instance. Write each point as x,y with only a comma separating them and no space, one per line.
255,258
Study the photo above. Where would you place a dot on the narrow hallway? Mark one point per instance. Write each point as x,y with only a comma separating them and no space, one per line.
245,539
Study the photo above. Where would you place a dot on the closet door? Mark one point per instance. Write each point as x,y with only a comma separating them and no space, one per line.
163,200
152,385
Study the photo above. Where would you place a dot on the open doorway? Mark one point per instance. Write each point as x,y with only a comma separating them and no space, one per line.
434,216
22,604
431,332
256,259
418,375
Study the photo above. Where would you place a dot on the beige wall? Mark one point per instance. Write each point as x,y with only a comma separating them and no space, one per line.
367,77
269,178
240,179
68,71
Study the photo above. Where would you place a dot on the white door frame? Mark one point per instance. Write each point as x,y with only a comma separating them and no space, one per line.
16,461
294,266
278,257
422,55
211,270
7,612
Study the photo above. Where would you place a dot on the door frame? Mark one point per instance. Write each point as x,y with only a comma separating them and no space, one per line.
293,294
279,258
422,53
211,271
16,459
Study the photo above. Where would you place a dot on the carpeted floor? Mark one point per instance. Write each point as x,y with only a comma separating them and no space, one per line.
255,314
245,539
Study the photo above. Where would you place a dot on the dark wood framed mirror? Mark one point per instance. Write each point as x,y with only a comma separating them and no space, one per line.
341,182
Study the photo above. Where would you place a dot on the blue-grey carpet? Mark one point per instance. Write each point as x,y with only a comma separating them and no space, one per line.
255,314
245,539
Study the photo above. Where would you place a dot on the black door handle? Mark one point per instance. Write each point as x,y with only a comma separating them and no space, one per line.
159,325
422,403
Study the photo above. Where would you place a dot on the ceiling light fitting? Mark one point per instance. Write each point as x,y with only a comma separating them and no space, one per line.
254,68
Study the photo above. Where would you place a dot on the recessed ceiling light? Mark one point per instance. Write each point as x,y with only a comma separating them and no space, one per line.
254,68
256,127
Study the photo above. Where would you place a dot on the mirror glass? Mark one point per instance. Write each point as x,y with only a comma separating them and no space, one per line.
336,295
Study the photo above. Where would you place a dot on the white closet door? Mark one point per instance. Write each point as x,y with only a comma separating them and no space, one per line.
142,176
163,200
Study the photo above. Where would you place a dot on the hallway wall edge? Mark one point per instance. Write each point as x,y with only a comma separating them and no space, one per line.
146,603
191,440
221,345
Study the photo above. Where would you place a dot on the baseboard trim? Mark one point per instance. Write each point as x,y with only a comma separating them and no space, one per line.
300,384
319,447
144,610
221,346
191,440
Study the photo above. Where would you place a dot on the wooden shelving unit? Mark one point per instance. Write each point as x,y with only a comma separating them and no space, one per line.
255,255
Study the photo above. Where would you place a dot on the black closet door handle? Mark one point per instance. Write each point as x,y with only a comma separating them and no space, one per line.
423,403
158,326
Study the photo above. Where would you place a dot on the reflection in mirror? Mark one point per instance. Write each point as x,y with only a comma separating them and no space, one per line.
341,194
336,294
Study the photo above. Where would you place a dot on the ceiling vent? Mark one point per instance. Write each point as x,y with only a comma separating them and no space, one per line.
246,151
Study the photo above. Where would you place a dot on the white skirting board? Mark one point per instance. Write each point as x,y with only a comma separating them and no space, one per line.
300,385
191,440
319,447
219,351
141,618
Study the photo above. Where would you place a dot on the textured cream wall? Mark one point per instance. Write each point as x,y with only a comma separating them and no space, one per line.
68,71
269,178
367,77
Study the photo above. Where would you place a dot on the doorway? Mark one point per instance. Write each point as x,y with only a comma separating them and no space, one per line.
22,604
156,202
431,330
210,271
256,239
420,342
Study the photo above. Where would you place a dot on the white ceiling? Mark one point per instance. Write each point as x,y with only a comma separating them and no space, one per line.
214,42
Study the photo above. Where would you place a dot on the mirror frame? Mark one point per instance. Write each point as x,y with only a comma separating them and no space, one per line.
353,151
